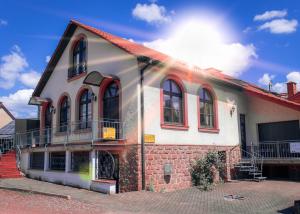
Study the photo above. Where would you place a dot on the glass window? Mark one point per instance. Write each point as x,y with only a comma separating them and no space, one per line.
64,116
85,110
79,58
173,102
57,161
207,114
37,160
111,102
80,161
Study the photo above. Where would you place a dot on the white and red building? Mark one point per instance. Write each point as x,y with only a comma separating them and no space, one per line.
117,116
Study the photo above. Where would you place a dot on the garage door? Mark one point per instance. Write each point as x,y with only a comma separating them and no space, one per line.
279,131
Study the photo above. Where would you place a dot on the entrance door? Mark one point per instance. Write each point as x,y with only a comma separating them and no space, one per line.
108,167
243,132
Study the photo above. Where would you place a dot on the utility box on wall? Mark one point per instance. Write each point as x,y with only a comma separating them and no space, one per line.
167,169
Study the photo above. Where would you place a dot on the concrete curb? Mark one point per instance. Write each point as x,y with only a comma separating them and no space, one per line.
67,197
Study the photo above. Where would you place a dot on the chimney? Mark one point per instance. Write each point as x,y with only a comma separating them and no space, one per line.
291,89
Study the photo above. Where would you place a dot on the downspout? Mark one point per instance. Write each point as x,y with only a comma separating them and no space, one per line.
142,70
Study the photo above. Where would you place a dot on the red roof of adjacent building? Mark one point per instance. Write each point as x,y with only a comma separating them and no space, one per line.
139,50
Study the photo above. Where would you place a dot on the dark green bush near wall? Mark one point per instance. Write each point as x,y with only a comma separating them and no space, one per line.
201,170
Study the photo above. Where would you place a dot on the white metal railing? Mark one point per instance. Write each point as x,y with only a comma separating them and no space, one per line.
278,149
86,131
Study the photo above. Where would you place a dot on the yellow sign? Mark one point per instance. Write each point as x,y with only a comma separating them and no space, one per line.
109,133
149,138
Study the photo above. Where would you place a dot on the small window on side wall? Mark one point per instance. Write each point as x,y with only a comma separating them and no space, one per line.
207,109
78,60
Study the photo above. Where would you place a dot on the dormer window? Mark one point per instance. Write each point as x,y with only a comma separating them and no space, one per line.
78,61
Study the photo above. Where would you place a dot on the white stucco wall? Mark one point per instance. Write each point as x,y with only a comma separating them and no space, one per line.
107,59
228,124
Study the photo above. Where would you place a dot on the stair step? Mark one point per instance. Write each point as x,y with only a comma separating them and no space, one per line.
10,176
261,178
255,173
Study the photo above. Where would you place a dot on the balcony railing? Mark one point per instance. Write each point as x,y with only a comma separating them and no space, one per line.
277,149
86,131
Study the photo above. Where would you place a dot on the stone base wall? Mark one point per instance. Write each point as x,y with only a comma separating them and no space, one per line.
180,157
130,169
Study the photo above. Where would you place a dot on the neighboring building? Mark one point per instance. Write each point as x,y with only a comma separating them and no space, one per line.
5,116
117,116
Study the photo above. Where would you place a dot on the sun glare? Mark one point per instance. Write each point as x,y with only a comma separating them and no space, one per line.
205,41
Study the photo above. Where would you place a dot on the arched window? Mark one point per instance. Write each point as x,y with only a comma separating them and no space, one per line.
64,114
78,58
111,102
85,109
207,114
172,102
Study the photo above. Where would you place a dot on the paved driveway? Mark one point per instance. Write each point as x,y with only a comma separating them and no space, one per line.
264,197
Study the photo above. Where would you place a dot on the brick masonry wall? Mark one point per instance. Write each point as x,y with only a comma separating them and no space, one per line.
130,169
180,157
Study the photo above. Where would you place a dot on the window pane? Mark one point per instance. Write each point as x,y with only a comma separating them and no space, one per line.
167,115
166,86
206,109
175,88
57,160
167,101
37,160
80,162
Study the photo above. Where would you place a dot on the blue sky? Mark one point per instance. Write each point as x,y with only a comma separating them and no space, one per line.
253,49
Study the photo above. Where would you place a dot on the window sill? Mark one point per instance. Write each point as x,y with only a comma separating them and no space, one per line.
209,130
174,127
77,76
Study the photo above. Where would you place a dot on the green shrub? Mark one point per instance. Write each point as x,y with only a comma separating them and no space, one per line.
201,173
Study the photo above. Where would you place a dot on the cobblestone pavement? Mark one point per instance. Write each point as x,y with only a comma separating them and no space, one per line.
263,197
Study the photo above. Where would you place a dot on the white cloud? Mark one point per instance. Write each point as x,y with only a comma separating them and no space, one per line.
280,87
280,26
266,79
270,15
13,68
294,76
201,44
47,58
10,67
30,78
3,22
17,103
151,13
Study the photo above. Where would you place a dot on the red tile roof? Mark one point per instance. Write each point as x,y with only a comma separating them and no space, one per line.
140,50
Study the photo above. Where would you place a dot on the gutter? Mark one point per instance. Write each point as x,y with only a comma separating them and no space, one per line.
148,62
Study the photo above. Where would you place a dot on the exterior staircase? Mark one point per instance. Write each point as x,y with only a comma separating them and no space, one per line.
250,167
8,165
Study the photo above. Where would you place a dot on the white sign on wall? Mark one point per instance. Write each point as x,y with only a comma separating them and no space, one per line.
295,147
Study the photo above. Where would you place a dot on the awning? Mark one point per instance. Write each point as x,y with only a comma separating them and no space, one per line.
95,78
37,100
